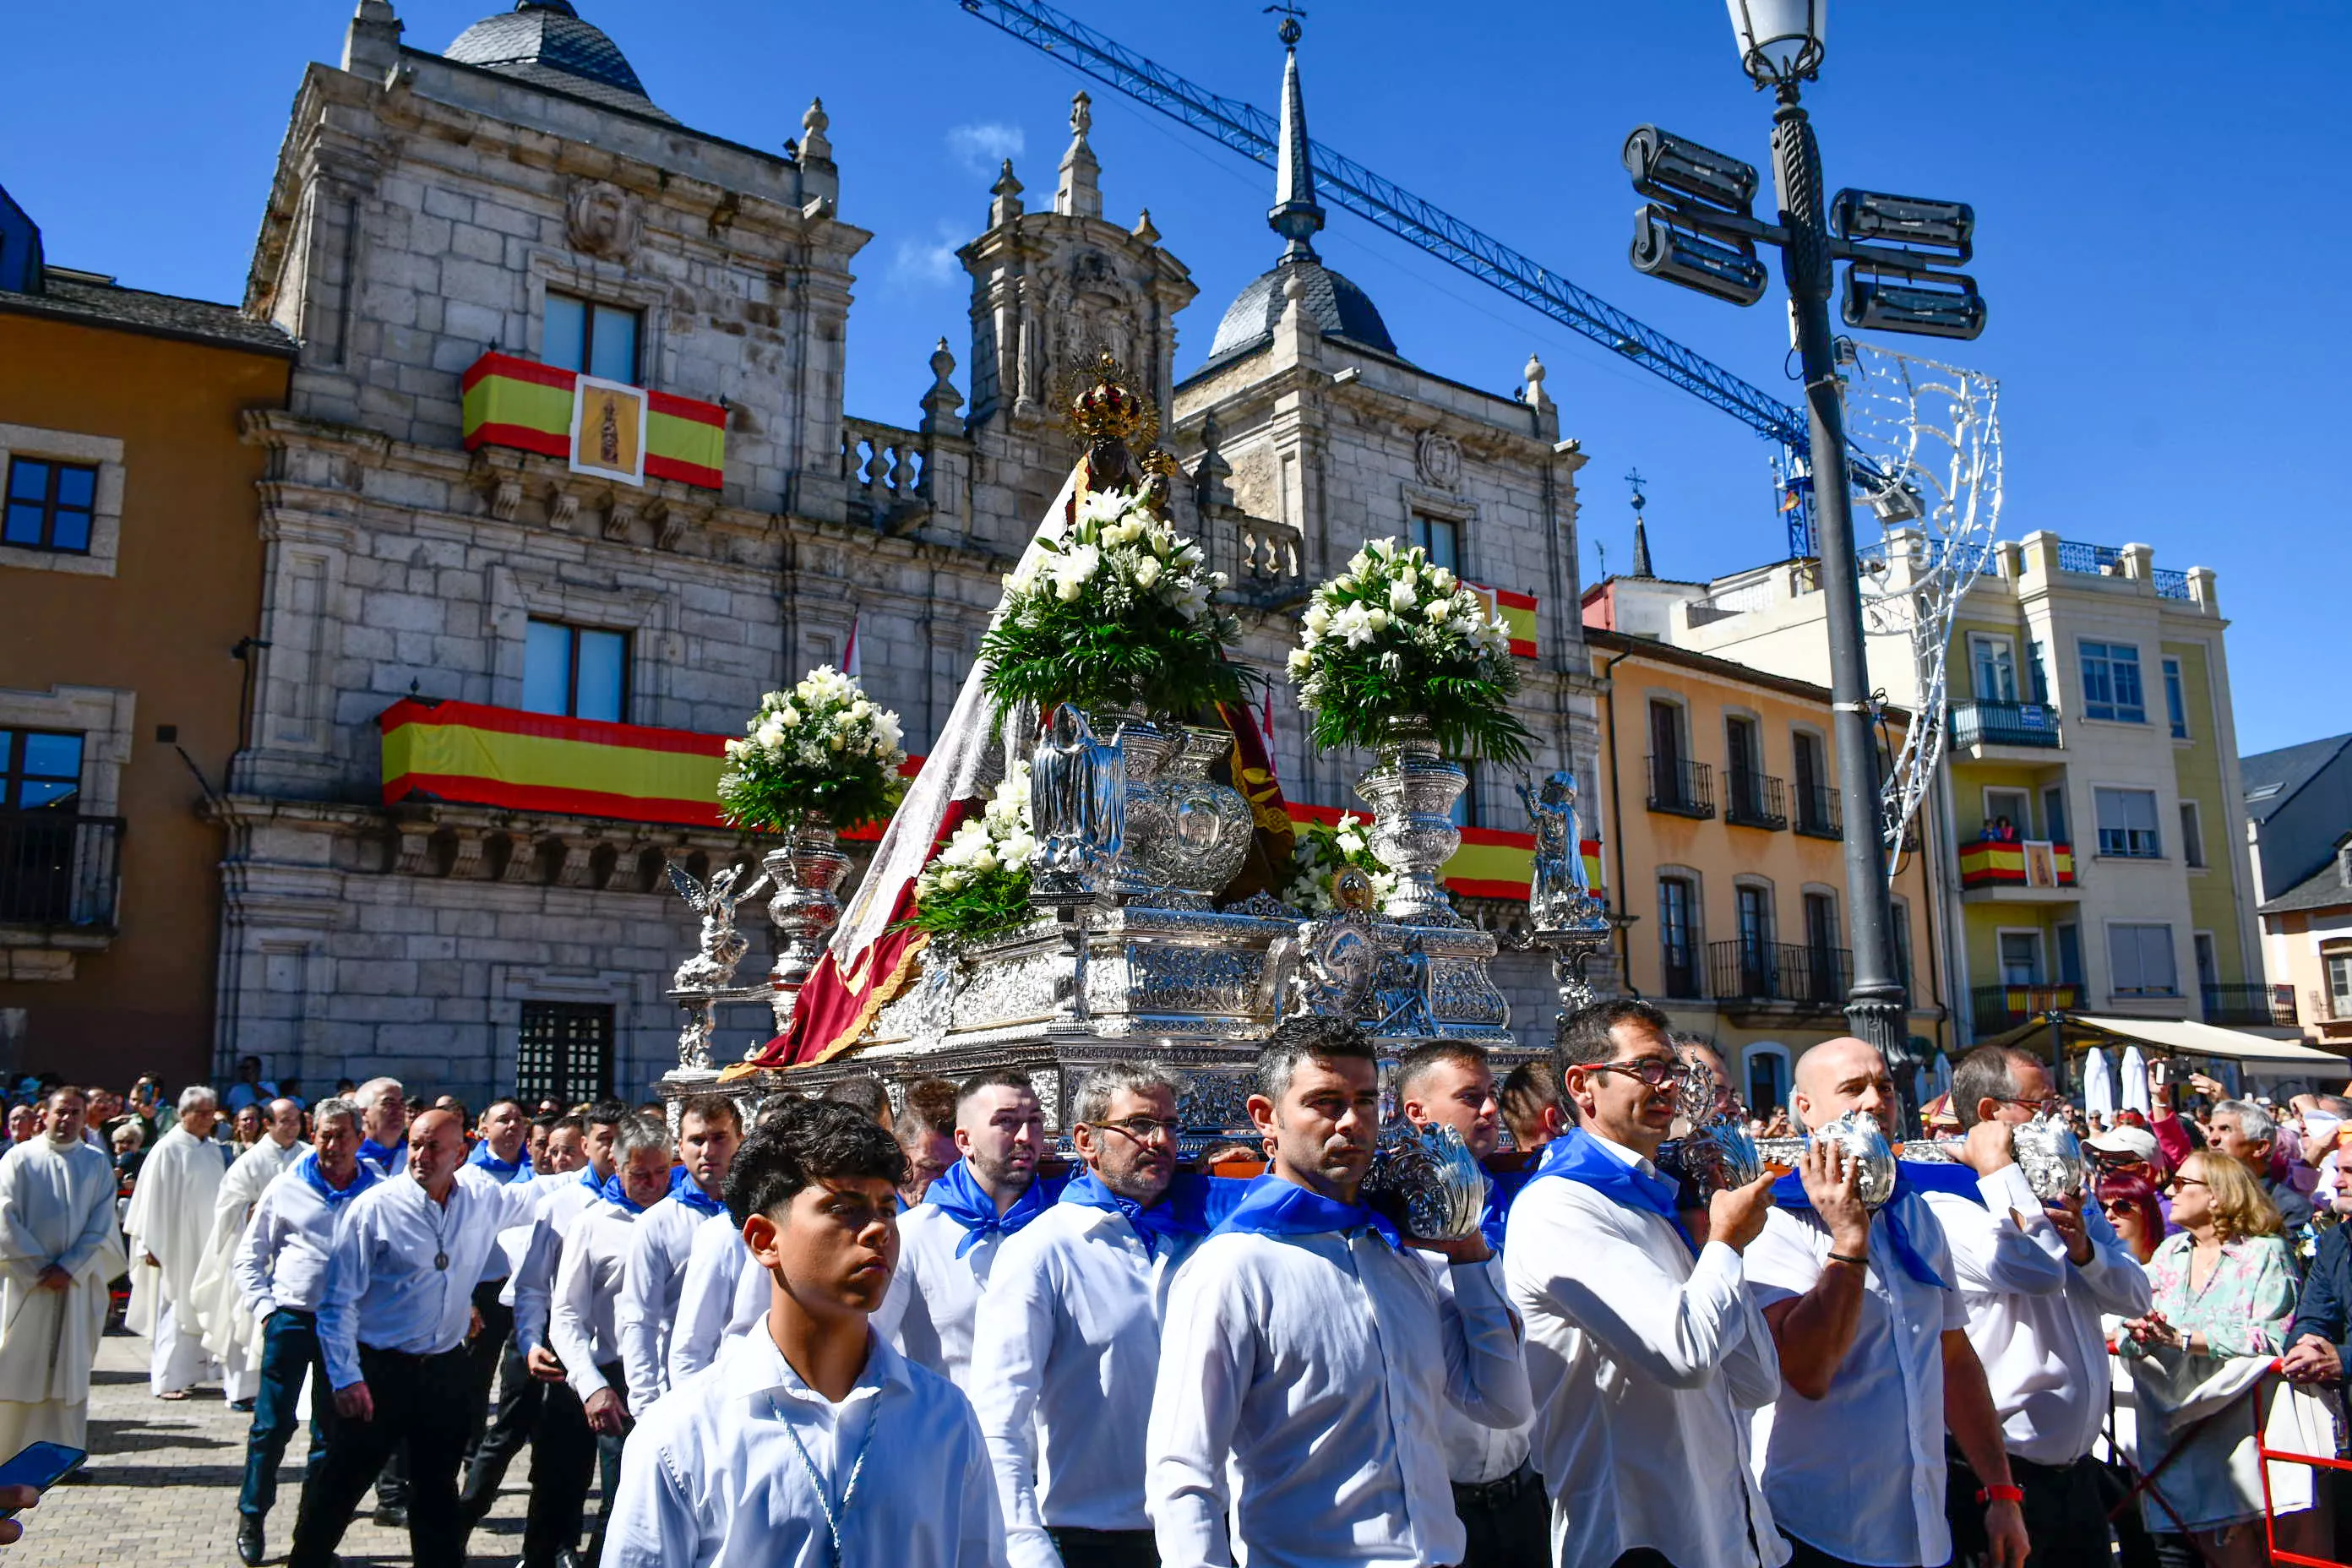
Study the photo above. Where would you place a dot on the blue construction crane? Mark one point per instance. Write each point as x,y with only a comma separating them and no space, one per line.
1250,131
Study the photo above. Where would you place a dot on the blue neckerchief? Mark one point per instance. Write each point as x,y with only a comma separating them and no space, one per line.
1575,1156
960,1196
613,1192
307,1170
1911,1177
505,1172
388,1162
683,1188
589,1179
1271,1206
1492,1213
1193,1206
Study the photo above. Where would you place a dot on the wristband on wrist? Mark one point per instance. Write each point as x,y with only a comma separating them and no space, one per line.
1841,1257
2000,1493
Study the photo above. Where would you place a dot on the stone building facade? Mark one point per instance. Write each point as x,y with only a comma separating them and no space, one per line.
518,195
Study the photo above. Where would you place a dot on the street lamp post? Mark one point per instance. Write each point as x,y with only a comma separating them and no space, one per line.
1699,231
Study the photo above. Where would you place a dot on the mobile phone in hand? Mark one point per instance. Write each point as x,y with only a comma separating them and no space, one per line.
39,1465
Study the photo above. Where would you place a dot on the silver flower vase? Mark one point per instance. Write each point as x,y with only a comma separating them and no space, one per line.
807,872
1411,795
1194,832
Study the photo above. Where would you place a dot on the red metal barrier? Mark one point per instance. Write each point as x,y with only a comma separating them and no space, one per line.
2265,1454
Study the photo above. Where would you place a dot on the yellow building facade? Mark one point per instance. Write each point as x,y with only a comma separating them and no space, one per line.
1723,838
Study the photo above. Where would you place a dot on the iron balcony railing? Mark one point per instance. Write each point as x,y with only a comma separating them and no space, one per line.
1681,788
1756,800
57,868
2090,560
2004,724
1741,970
2241,1005
2000,1007
2169,584
1820,812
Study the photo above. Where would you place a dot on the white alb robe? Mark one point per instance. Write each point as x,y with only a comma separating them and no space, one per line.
57,1207
170,1219
230,1335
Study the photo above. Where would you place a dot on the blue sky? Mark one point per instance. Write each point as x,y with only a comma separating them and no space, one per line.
2167,295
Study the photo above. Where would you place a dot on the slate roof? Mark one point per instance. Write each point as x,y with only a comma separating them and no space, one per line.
1339,307
546,44
2289,768
83,298
2324,889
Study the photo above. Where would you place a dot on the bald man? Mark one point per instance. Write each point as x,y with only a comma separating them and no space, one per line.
391,1328
1872,1337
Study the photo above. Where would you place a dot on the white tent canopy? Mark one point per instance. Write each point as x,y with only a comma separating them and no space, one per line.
2257,1053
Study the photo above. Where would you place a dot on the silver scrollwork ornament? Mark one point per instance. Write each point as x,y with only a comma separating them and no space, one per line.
1866,1148
1429,1174
2051,1156
1719,1151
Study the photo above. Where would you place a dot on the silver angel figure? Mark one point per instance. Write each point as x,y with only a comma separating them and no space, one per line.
1560,898
722,946
1077,806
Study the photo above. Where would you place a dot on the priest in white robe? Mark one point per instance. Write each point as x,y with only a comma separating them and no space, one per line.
170,1220
229,1333
59,1248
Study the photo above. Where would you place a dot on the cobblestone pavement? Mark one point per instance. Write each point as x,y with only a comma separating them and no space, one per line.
164,1476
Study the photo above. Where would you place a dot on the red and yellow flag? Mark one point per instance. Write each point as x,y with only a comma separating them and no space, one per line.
522,404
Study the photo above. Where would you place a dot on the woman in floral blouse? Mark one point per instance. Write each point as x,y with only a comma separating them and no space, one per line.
2224,1292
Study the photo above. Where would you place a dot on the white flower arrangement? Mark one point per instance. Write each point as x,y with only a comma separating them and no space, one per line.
1397,636
1318,855
1113,610
822,747
979,881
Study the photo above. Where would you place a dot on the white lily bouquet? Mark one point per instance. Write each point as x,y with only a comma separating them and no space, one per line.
1114,612
978,883
821,749
1398,638
1319,852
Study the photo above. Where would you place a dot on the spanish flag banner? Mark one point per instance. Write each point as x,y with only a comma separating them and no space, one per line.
522,404
1518,612
1492,863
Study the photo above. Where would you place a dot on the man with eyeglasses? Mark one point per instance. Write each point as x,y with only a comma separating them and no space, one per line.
947,1243
1306,1353
1873,1343
1644,1352
1496,1493
2034,1278
1069,1330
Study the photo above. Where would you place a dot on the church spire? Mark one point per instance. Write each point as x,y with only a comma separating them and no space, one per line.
1295,217
1641,534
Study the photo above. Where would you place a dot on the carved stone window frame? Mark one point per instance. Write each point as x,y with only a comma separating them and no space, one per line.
102,452
1446,506
649,615
603,283
102,716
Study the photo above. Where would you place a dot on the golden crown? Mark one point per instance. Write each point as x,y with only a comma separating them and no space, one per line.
1099,405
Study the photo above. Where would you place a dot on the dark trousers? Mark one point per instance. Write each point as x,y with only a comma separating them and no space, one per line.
289,1350
2065,1510
1505,1523
1104,1548
483,1353
562,1457
421,1402
609,1446
521,1399
1804,1556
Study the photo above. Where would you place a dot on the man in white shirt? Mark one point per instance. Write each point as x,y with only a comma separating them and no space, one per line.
393,1326
1307,1353
1875,1352
383,1125
168,1221
2034,1279
569,1324
1645,1354
1065,1344
58,1248
1496,1493
811,1443
948,1242
579,1163
281,1273
228,1330
708,1129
